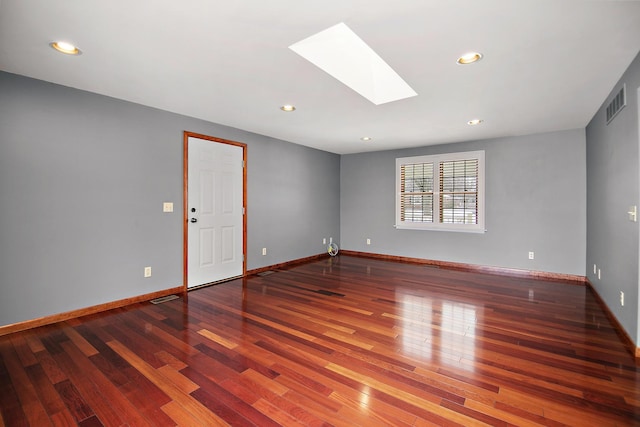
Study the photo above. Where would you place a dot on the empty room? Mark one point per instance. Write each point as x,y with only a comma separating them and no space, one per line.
413,213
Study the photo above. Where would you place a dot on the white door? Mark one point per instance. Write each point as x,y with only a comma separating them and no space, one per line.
214,212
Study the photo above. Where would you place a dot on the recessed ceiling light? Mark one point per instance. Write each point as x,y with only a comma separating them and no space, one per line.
366,138
469,58
474,122
288,108
65,47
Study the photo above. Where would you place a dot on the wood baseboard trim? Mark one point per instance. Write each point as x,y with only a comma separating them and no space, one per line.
622,333
500,271
54,318
287,264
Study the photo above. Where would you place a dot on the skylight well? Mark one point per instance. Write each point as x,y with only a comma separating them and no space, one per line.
339,52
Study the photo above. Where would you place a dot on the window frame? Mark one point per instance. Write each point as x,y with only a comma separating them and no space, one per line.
437,159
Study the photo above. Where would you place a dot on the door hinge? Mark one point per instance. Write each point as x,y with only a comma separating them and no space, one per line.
243,164
243,210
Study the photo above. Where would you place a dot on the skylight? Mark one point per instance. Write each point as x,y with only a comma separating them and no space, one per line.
339,52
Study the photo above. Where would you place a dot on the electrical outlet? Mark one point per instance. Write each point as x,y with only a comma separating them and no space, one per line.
147,272
532,255
368,241
598,274
324,240
622,298
264,251
330,240
595,270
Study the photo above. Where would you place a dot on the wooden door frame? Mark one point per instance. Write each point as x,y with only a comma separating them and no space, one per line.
185,201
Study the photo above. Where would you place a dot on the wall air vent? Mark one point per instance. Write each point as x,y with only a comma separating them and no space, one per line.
617,103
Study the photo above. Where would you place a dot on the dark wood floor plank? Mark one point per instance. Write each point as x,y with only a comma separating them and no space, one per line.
149,407
47,393
230,407
79,408
22,349
63,419
275,407
112,404
91,422
279,416
560,413
81,343
339,341
306,371
195,408
85,399
17,378
11,411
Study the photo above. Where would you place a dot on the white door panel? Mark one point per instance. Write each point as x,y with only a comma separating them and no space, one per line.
228,244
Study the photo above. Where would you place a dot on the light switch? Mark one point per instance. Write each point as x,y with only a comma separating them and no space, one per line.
167,207
633,213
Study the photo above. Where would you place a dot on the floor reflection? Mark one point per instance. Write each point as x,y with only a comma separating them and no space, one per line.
437,330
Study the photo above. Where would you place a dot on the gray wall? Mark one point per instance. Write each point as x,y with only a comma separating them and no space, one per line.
82,181
535,201
294,201
613,186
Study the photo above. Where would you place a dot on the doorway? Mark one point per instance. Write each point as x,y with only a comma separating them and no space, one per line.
214,210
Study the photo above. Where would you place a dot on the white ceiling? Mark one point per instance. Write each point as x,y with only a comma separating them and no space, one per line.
548,64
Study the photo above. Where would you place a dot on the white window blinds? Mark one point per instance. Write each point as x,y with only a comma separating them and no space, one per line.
441,192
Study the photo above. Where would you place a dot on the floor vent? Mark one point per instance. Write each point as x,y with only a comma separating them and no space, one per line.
617,103
163,299
265,273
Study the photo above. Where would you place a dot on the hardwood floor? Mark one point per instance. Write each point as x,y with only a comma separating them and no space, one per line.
342,341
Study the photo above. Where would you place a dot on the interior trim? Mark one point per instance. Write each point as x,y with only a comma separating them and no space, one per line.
565,278
622,333
501,271
185,199
60,317
541,275
287,264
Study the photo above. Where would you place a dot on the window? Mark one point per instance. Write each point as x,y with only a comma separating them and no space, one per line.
441,192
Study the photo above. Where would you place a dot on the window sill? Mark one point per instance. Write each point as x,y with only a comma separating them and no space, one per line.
474,229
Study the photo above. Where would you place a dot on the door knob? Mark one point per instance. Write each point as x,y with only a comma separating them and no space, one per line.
194,220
